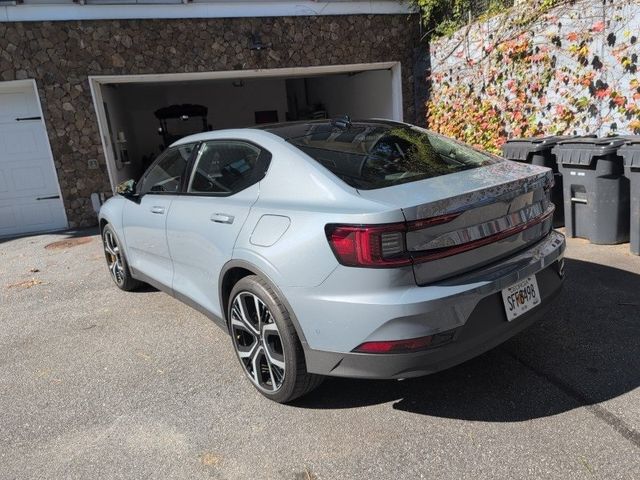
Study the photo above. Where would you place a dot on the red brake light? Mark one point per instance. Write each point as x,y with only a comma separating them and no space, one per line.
369,246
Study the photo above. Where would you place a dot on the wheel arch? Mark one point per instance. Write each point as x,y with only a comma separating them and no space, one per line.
232,272
103,223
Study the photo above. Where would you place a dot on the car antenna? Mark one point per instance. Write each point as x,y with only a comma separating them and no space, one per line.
343,123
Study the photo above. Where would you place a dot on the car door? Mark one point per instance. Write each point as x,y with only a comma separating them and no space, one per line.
145,221
204,223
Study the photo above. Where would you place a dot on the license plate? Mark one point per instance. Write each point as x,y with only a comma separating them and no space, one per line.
521,297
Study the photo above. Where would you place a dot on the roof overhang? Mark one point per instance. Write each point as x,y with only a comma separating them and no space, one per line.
33,11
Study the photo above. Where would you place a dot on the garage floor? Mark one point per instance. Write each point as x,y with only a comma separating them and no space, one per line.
98,383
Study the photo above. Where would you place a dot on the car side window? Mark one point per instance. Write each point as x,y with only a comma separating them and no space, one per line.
165,176
225,167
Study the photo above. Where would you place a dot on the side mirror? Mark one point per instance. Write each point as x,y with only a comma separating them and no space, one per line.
128,189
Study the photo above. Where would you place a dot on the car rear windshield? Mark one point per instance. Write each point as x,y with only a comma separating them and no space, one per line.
377,155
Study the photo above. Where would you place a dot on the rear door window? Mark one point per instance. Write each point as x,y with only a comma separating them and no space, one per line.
165,175
225,167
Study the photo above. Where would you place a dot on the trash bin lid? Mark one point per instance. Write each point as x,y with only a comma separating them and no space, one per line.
582,151
520,148
630,151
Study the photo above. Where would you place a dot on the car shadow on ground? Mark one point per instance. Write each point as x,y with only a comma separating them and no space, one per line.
144,288
584,351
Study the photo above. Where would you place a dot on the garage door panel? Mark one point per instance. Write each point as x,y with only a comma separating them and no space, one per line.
8,218
35,216
25,161
23,141
26,167
17,102
28,179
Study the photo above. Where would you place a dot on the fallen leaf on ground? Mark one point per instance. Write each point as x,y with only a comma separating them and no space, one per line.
210,459
26,283
305,475
144,355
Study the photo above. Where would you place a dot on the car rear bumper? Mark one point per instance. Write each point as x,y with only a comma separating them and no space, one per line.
486,328
477,320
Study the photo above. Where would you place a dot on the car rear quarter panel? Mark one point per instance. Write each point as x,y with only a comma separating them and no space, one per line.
299,189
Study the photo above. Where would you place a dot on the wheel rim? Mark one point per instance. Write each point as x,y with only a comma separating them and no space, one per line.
114,257
257,341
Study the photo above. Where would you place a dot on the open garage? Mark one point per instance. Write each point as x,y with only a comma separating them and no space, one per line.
139,116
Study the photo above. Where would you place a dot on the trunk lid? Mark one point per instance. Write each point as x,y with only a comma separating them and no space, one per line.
465,220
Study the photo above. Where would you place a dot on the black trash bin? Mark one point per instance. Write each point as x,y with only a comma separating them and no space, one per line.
538,151
630,152
596,192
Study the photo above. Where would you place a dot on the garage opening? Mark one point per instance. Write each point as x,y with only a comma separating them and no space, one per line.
141,115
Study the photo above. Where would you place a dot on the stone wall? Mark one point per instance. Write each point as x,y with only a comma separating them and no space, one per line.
61,55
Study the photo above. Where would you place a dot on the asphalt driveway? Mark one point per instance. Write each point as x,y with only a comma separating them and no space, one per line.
98,383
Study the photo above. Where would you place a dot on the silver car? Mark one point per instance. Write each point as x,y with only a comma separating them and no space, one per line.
370,249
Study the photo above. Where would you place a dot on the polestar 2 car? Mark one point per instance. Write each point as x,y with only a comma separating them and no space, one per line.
369,249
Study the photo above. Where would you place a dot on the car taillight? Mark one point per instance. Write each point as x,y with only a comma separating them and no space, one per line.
369,246
383,246
376,246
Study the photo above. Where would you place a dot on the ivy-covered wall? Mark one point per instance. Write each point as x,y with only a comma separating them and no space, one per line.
539,70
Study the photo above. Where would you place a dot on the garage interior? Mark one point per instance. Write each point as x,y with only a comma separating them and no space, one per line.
132,135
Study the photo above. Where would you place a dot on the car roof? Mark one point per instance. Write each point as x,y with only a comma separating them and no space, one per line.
290,130
286,130
251,134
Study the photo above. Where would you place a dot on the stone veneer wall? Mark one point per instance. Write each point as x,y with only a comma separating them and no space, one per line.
61,55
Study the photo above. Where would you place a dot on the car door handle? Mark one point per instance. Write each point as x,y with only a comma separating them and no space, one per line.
222,218
157,209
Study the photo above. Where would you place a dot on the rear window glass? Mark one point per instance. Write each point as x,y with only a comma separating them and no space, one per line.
369,156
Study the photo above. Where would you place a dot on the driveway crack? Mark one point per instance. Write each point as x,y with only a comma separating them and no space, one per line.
601,413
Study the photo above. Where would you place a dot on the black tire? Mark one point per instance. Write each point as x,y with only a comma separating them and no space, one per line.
295,381
116,261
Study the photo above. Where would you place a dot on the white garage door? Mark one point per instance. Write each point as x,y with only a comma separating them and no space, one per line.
29,192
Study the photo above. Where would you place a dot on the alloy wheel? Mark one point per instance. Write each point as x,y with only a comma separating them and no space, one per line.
114,257
257,341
